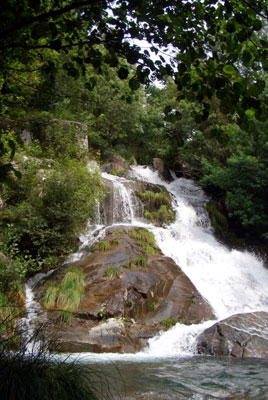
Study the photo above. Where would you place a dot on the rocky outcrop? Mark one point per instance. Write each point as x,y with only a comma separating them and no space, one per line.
116,165
241,335
129,296
112,209
162,170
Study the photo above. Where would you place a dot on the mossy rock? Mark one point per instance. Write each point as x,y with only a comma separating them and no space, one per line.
218,219
157,206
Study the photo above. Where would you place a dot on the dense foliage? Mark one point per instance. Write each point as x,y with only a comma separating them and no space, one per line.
214,43
80,70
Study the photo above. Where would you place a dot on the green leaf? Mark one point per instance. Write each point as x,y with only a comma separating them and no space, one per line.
246,57
91,83
229,69
257,25
167,109
134,83
123,73
12,146
257,88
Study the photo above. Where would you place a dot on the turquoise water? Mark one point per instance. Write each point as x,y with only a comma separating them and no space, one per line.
197,378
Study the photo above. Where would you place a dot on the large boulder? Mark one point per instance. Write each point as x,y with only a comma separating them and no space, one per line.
116,165
241,335
122,310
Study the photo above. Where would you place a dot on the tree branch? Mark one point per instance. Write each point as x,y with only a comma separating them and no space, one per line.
47,15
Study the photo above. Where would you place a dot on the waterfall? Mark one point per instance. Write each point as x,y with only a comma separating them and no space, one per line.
34,315
121,200
231,281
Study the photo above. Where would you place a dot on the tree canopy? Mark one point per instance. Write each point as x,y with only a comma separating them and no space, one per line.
94,61
219,46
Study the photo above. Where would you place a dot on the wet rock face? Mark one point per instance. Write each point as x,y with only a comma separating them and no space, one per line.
241,335
161,168
121,311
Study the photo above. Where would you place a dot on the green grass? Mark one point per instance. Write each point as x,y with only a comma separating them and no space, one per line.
101,246
36,376
111,272
118,232
115,242
159,206
154,199
138,261
143,235
66,296
169,322
145,239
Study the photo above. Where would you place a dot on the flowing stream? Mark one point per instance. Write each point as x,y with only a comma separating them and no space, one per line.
231,281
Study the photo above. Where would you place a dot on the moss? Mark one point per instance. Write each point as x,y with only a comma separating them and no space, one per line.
218,220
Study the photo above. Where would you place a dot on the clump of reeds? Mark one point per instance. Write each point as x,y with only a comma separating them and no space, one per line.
66,296
37,375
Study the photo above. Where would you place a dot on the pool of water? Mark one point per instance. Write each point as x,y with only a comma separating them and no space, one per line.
197,378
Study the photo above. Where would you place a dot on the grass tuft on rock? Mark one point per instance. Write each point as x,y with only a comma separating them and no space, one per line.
101,246
146,240
66,296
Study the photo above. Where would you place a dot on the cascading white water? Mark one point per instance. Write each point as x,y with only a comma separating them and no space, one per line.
122,207
232,281
33,313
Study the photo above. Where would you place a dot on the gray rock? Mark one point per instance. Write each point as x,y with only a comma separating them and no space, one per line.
26,137
140,296
241,335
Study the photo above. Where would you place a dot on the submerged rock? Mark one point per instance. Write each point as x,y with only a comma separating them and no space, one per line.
128,297
241,335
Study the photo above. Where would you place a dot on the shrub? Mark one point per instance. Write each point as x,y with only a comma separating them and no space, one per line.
14,271
48,207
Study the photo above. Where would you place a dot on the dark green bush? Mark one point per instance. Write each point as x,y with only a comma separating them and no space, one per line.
48,207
